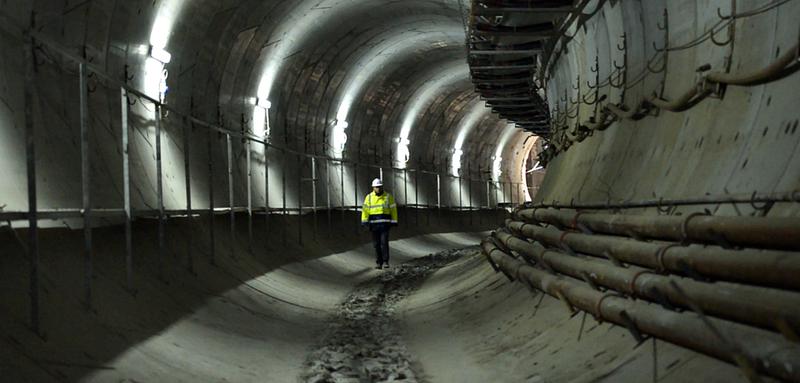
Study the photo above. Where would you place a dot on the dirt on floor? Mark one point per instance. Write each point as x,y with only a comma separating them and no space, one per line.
363,342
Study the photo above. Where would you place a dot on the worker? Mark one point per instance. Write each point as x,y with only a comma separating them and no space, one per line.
379,214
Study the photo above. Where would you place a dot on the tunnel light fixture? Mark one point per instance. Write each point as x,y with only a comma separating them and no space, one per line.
339,136
160,54
263,103
341,124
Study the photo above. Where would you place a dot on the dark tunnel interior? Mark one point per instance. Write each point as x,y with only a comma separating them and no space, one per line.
585,190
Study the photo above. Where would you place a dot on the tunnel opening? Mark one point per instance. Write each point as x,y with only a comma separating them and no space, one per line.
587,191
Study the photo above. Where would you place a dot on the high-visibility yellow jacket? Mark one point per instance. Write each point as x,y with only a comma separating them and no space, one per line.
379,209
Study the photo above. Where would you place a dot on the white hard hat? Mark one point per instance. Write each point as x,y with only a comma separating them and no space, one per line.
377,182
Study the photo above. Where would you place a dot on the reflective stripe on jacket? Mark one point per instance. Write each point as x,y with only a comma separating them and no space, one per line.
379,209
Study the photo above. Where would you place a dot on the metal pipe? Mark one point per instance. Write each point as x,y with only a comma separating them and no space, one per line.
751,348
763,307
762,267
86,182
126,189
763,232
763,75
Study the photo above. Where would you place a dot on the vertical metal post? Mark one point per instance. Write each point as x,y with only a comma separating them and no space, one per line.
355,190
266,180
266,192
438,191
469,193
416,196
355,184
30,160
496,185
405,188
283,196
126,189
328,192
460,198
249,169
300,164
187,170
512,189
488,197
160,192
341,179
231,203
86,183
211,232
380,172
314,192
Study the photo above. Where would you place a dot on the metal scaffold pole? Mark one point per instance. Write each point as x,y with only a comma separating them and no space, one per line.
126,189
187,131
231,203
30,161
211,232
86,184
160,192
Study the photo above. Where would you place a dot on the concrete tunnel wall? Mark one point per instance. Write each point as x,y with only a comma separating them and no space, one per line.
744,143
221,51
220,54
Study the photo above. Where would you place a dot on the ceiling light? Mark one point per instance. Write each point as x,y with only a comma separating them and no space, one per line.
160,54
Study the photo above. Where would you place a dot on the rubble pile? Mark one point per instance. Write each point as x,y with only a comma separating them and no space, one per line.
363,343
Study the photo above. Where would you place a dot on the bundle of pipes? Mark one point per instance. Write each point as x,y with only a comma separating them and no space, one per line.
744,298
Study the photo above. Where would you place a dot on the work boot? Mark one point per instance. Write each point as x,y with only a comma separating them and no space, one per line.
379,266
386,265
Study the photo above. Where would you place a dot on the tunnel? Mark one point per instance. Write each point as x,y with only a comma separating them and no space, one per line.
580,191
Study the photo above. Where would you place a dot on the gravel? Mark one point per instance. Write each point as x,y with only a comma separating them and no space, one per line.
363,342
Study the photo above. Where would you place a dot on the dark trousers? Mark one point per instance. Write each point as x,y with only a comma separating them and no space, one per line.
380,238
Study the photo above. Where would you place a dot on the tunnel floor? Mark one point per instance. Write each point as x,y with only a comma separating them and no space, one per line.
280,318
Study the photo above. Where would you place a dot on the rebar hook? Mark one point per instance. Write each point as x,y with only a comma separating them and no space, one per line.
663,67
624,46
577,84
596,99
764,208
719,14
131,103
666,20
721,43
657,49
619,84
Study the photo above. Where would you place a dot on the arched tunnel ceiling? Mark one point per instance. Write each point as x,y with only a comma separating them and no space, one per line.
708,131
319,72
335,88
